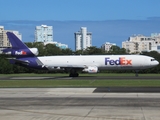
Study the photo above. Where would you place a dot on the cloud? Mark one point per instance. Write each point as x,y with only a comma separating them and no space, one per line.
114,31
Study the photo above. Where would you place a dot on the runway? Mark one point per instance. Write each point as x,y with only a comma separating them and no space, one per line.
76,104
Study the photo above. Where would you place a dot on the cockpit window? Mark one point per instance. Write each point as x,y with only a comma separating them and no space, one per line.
152,59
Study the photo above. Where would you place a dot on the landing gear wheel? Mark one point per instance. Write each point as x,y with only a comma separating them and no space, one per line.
73,75
70,75
136,71
76,75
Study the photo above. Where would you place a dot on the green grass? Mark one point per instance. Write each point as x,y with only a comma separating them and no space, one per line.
81,74
78,83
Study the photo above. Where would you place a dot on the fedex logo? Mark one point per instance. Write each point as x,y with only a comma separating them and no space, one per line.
20,53
120,61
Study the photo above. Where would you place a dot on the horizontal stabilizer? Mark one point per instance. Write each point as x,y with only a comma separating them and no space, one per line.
20,62
7,50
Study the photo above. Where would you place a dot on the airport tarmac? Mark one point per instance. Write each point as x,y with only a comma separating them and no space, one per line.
76,104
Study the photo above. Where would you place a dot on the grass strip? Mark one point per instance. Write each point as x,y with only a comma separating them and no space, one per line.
77,83
66,75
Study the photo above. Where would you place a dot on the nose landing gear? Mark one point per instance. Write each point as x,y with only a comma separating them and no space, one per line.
136,73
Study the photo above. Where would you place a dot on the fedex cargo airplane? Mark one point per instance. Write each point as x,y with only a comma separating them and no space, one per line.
27,57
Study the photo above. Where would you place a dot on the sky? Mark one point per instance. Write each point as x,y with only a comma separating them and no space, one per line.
108,20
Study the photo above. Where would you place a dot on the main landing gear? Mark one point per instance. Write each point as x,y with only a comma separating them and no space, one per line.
73,73
136,73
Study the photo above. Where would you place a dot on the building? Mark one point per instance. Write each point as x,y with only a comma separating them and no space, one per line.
140,43
60,45
3,38
107,46
4,42
43,33
83,39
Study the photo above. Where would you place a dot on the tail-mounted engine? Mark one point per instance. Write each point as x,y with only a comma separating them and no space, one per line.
21,52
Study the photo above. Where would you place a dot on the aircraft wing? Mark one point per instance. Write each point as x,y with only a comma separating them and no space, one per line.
78,67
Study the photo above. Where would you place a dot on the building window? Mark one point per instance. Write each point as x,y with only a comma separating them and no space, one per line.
158,47
136,46
150,46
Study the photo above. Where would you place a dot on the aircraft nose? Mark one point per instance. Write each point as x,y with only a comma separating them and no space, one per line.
156,63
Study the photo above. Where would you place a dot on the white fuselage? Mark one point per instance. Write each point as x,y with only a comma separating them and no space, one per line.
100,61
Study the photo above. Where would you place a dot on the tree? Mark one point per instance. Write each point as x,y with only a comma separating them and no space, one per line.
39,45
93,50
52,49
67,51
78,52
116,50
5,67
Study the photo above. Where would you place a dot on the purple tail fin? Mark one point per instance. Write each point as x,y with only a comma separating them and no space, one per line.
15,41
19,49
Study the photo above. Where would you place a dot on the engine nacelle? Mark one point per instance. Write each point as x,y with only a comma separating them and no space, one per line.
91,69
21,52
34,51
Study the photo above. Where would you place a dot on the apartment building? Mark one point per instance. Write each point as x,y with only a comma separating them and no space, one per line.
140,43
4,42
3,38
83,39
43,33
107,46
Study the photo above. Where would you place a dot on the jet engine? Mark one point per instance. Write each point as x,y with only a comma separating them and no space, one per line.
21,52
34,51
91,69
